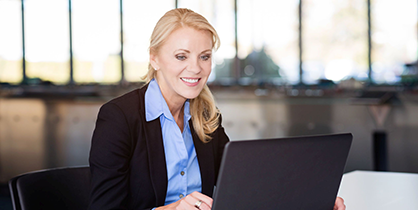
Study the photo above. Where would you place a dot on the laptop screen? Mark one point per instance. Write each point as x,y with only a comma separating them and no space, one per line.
287,173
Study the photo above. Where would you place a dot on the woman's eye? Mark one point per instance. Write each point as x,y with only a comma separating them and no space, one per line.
205,57
181,57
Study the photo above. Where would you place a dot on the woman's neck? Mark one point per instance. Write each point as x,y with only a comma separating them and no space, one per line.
177,110
176,106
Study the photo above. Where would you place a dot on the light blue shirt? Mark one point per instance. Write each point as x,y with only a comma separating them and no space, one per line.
182,166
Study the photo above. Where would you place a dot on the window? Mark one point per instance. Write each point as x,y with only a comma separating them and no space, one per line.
10,41
96,41
334,37
394,39
139,21
47,40
268,41
259,40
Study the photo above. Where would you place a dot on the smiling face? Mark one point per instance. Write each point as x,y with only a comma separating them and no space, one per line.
183,64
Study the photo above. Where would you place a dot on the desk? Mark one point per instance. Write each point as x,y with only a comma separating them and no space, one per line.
367,190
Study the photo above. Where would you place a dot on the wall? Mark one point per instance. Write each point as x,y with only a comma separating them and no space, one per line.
44,133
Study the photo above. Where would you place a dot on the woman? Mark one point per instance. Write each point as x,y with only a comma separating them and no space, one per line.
160,147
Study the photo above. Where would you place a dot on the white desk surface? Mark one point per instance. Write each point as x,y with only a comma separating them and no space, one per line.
368,190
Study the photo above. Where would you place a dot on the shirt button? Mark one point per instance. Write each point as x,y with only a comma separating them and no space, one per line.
182,173
181,195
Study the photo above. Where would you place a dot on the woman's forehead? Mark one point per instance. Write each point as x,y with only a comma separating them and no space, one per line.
190,39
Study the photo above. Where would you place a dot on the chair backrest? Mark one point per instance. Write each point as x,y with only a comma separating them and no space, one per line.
60,188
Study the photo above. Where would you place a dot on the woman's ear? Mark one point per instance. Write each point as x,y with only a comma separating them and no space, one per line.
154,61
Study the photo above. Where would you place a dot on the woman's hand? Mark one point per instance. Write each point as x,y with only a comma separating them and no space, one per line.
339,204
190,202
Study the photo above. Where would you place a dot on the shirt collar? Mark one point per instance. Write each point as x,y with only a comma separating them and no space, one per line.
187,115
155,104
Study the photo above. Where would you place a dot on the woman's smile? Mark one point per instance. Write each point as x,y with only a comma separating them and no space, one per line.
190,81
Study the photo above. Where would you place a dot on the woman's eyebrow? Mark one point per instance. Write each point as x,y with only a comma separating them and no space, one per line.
210,50
187,51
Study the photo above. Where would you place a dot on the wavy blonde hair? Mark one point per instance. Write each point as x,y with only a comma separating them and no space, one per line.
205,115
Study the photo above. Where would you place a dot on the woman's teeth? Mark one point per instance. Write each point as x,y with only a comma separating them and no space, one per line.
190,80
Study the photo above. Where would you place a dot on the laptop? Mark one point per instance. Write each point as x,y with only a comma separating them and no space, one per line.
289,173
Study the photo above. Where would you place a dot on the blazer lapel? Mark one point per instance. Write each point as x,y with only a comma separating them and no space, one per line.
204,152
156,155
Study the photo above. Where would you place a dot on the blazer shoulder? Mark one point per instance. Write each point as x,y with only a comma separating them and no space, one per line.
131,102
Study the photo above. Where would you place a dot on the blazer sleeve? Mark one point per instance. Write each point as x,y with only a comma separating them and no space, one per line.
109,160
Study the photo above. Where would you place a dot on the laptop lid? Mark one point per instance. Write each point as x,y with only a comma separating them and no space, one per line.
289,173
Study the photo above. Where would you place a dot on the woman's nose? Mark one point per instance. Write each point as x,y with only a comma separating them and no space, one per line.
194,66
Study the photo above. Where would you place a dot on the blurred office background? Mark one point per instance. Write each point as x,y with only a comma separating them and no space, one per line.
285,68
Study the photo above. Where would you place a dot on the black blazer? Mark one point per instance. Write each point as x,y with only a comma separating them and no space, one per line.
127,161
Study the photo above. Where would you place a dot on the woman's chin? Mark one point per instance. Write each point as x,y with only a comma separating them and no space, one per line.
191,94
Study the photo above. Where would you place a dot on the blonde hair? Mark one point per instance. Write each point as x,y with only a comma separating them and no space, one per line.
205,115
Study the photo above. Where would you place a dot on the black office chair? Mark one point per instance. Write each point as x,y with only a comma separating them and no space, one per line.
60,188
